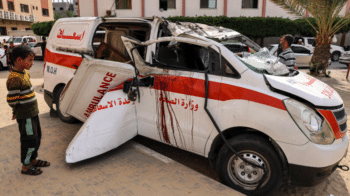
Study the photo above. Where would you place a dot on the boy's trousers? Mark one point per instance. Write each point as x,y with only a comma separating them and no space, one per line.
30,139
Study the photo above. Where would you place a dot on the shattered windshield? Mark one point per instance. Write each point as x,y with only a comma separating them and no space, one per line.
264,62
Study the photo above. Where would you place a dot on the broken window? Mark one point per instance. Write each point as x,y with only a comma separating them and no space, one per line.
216,68
107,42
250,4
208,4
176,55
123,4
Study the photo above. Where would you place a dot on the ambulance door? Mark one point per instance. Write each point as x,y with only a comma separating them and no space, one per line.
95,96
172,109
90,83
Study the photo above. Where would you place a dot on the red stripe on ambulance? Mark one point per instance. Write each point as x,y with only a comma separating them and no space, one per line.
332,122
217,91
62,59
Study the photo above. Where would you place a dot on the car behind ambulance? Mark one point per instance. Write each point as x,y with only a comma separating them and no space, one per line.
255,121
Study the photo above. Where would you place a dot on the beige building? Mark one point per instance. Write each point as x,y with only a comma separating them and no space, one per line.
19,15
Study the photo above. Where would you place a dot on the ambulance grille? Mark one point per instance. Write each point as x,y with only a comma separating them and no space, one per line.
341,117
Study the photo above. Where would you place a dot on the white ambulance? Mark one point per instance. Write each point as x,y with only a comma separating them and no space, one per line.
255,121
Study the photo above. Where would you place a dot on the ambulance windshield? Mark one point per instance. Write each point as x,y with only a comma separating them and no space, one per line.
264,62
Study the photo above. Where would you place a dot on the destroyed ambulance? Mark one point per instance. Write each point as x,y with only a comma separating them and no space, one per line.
255,121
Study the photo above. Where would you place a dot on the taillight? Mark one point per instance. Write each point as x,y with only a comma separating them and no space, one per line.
248,48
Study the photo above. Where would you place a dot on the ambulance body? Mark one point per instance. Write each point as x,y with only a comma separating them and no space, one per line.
255,121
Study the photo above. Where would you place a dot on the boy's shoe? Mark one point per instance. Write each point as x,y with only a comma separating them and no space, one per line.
32,171
42,163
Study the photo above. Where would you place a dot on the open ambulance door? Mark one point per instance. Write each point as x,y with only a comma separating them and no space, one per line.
90,83
112,123
95,96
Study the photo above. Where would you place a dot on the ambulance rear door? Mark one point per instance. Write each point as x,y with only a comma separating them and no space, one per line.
90,83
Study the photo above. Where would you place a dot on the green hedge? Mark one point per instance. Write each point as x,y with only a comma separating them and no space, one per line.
42,28
252,27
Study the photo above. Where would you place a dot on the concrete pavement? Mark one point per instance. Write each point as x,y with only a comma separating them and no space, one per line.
131,169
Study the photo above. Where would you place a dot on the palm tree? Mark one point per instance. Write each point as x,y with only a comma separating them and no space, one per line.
325,13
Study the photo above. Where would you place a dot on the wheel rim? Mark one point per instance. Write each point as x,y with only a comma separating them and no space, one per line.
246,175
336,56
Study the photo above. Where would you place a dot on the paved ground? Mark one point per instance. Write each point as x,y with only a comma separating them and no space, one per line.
130,169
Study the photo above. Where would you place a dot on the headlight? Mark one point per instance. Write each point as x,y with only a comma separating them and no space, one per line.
315,127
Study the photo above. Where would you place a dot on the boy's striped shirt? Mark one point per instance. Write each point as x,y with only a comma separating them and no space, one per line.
21,96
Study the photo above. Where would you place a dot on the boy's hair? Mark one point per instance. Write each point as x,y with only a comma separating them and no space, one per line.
289,38
44,38
21,51
6,47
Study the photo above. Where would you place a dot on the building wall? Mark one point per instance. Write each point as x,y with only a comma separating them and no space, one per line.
272,10
154,10
34,8
57,7
234,9
193,9
86,7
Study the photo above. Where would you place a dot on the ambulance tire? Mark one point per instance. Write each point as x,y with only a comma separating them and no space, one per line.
235,173
69,119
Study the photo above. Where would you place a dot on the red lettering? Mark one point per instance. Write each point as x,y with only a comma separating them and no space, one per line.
92,106
102,91
104,85
89,110
105,79
111,75
87,115
97,98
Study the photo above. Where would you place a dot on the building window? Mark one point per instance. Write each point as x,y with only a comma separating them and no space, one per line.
167,4
11,6
13,28
45,12
36,7
28,29
250,4
54,9
123,4
1,7
61,8
33,8
24,8
208,4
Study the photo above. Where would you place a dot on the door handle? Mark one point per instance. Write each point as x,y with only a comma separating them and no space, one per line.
144,82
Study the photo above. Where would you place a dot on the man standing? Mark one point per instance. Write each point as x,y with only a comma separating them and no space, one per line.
287,57
43,47
9,57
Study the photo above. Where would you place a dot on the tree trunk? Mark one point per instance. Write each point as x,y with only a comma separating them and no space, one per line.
321,56
342,41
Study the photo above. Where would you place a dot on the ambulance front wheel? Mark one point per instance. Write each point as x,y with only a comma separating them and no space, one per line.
65,118
244,177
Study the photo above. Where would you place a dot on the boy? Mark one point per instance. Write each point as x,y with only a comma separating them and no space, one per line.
21,98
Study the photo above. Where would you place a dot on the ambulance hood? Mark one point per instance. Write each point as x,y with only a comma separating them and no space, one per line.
308,88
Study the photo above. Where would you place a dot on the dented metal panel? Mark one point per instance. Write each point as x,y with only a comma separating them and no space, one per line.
112,123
